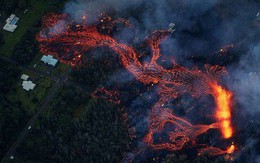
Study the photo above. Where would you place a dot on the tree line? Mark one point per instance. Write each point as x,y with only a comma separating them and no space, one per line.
67,132
13,116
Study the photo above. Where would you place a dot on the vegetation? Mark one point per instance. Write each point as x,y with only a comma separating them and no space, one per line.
35,10
68,132
176,159
1,39
203,158
97,70
8,74
26,49
13,115
9,6
60,69
29,100
74,127
16,104
27,20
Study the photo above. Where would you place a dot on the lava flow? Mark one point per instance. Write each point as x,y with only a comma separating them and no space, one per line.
223,112
71,41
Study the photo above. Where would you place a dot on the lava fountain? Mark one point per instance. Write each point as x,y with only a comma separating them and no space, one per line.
223,110
70,41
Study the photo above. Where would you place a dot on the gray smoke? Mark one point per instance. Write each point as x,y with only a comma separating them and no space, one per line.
202,28
246,80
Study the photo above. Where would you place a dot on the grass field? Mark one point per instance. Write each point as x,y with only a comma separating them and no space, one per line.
30,99
58,70
43,85
26,20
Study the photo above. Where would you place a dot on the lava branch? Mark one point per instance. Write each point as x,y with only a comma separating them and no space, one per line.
68,41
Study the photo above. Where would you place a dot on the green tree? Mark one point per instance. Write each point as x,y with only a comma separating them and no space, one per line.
95,133
1,39
22,4
173,158
27,48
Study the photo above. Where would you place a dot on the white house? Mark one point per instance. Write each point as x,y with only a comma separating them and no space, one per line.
49,60
28,85
11,23
171,27
24,77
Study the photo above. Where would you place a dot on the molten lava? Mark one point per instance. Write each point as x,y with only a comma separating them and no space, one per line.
231,149
223,110
71,41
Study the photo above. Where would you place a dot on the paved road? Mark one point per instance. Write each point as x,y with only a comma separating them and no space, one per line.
42,105
27,68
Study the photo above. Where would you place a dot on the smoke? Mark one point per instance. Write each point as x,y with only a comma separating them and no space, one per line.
246,80
93,8
202,28
58,28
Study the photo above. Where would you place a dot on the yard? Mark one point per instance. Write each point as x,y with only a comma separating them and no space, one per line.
30,99
58,70
36,9
26,20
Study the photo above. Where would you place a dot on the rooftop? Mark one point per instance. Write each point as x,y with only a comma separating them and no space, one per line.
11,23
24,77
49,60
28,85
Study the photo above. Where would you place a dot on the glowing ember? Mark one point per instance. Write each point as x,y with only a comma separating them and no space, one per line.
108,95
73,41
231,149
224,49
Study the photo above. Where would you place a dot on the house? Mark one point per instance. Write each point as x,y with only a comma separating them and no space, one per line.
49,60
24,77
11,23
171,27
28,85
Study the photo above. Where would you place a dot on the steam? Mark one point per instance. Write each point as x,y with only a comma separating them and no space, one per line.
245,83
246,80
58,28
202,27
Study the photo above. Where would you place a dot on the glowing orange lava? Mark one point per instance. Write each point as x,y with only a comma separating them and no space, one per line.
69,43
231,149
223,110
